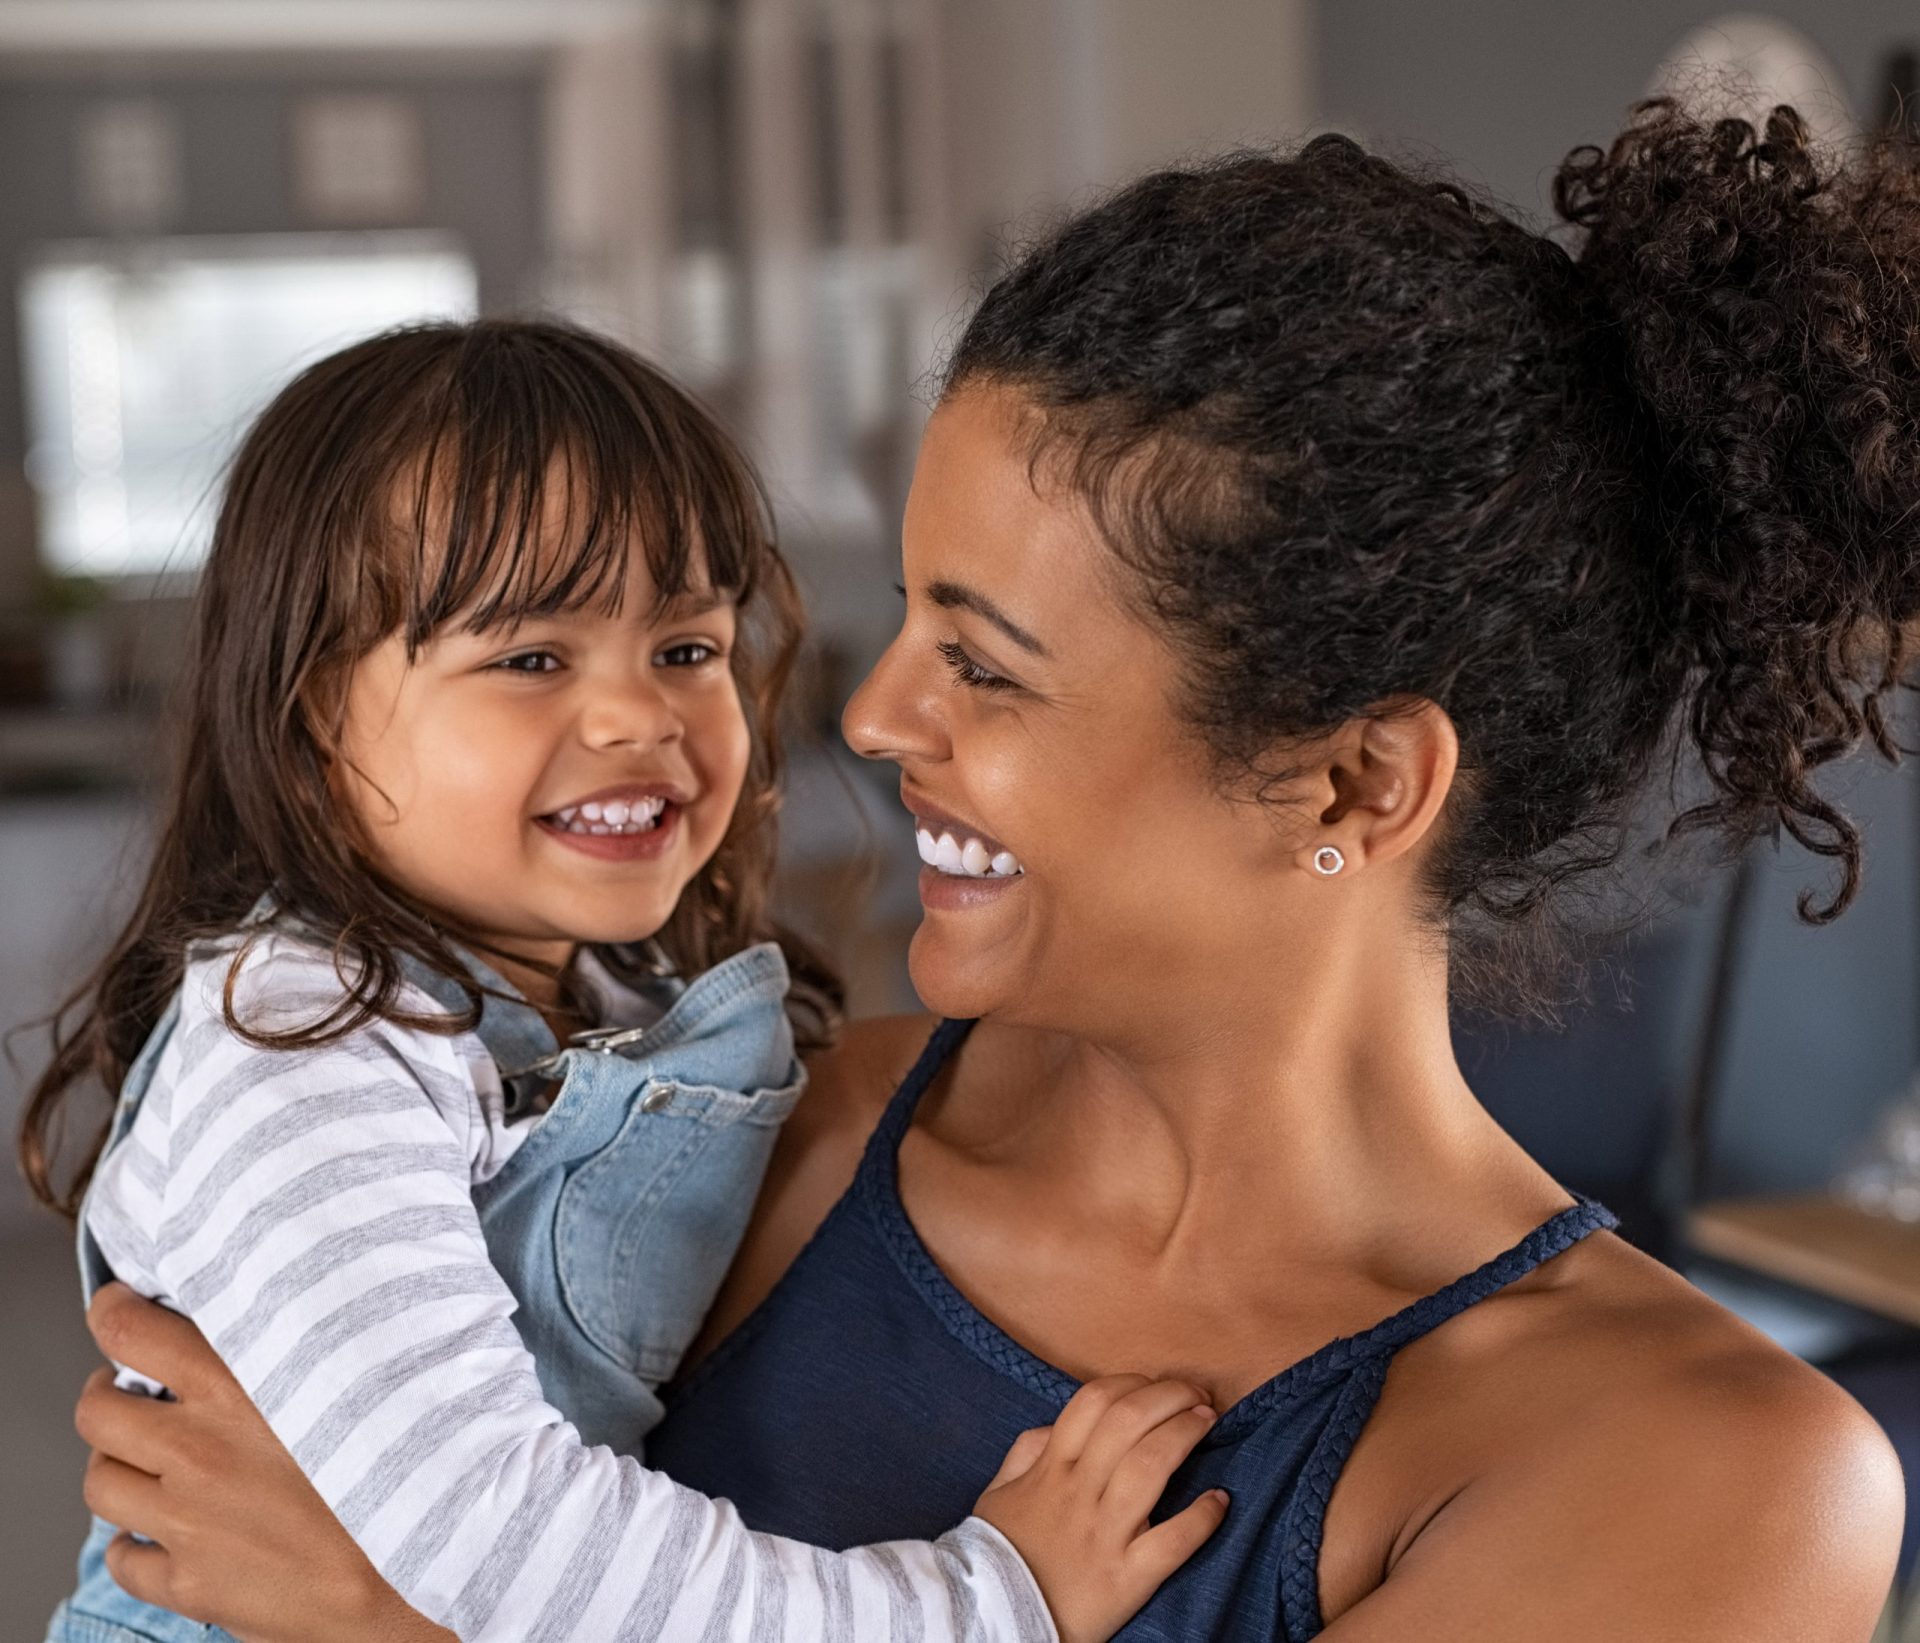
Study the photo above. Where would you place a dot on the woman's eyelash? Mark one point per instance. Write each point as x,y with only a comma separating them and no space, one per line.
967,670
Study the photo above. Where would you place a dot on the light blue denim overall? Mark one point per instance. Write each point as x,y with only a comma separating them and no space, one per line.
613,1223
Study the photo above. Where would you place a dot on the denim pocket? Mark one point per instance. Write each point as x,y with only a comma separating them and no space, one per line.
646,1228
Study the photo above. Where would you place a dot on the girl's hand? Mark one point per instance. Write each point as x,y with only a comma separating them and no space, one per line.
1074,1497
239,1537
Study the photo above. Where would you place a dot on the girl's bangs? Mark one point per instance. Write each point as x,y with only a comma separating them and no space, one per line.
538,469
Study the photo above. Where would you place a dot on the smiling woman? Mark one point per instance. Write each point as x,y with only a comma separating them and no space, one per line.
1293,513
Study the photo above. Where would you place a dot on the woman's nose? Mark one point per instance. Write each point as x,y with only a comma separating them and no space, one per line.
891,715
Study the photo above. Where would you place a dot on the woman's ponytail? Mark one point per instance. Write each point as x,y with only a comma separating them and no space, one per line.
1762,298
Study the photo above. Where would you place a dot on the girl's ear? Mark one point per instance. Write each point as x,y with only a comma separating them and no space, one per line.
322,703
323,716
1385,782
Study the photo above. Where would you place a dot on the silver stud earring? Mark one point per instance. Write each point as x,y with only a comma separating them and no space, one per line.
1327,861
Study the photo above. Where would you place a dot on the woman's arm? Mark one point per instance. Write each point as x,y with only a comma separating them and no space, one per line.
1743,1499
219,1496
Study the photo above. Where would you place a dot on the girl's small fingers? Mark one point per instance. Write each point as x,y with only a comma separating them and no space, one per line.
1027,1448
140,1569
1139,1478
1166,1546
1130,1419
123,1495
1088,1407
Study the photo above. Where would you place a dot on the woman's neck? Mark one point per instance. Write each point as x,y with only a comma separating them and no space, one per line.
1311,1102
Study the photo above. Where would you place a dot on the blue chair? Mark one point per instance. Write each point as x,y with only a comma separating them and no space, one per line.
1596,1101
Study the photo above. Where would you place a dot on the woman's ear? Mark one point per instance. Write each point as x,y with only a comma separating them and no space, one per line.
1385,780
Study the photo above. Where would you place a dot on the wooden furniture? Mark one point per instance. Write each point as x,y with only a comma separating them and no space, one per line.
1820,1243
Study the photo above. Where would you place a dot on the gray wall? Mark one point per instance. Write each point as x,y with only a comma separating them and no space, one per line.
1824,1023
1823,1031
1503,88
482,134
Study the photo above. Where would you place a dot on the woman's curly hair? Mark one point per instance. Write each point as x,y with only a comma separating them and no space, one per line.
1362,439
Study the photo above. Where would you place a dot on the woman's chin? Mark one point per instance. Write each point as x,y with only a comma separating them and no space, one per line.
954,978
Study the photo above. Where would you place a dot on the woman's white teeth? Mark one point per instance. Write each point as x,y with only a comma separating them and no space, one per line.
615,816
971,860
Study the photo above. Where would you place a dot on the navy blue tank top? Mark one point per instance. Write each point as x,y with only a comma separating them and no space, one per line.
866,1399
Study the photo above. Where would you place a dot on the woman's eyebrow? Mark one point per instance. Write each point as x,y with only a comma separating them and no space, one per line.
953,596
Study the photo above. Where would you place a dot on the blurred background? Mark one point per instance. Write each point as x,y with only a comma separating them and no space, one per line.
790,203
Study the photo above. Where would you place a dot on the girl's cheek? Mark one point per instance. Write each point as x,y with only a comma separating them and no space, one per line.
730,745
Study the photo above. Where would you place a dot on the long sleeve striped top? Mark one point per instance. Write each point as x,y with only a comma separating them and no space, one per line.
311,1211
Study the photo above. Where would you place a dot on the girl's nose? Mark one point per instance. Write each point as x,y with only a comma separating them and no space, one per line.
629,713
894,713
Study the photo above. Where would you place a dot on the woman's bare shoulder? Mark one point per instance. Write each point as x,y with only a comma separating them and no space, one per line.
850,1083
1713,1485
1688,1385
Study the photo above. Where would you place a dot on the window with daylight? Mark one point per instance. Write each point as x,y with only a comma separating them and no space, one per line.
143,362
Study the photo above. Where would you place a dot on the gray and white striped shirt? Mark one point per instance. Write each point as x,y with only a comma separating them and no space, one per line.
312,1212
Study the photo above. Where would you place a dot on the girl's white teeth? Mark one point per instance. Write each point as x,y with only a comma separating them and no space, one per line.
971,860
615,816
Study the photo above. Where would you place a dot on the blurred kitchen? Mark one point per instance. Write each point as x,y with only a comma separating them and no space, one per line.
788,202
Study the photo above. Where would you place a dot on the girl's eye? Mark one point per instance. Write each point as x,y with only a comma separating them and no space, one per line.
690,654
528,661
969,672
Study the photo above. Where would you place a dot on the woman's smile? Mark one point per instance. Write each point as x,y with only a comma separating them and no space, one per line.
942,891
955,847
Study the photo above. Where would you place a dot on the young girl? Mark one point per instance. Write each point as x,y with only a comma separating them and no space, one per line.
452,1005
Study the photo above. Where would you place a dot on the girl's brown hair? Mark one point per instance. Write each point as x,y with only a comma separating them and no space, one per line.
394,487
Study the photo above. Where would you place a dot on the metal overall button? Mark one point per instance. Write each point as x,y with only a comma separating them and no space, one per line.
606,1040
657,1099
